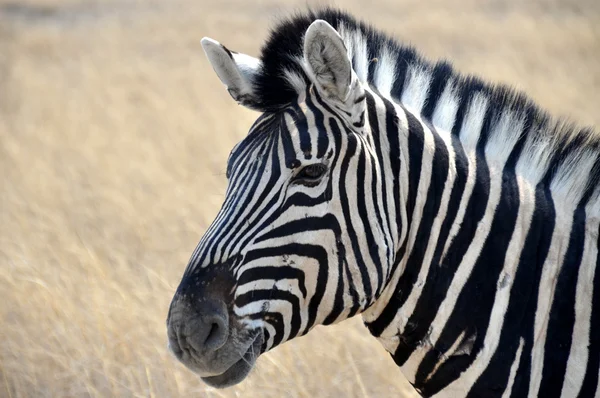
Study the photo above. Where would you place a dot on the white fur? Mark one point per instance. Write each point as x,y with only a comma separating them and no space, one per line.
445,110
442,358
502,140
513,370
536,156
297,82
473,122
246,64
418,80
571,178
385,72
357,50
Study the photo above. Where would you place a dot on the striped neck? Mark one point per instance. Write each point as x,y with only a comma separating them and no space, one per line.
440,178
419,162
484,188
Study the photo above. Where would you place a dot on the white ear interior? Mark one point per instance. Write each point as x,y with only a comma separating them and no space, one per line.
327,59
236,71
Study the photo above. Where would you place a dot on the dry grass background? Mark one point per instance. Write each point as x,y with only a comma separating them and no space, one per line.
113,138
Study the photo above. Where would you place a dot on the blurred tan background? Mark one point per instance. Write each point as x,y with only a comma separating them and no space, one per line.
114,133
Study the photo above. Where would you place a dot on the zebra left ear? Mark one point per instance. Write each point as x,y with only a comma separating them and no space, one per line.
236,71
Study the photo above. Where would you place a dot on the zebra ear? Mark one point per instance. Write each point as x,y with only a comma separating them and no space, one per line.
327,60
236,71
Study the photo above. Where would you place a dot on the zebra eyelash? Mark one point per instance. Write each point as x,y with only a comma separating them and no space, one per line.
310,175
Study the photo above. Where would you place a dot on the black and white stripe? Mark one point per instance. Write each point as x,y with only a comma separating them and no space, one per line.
458,218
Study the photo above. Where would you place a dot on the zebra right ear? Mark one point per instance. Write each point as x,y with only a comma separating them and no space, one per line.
327,60
328,64
236,71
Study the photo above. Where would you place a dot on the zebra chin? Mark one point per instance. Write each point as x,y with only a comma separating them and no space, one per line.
239,370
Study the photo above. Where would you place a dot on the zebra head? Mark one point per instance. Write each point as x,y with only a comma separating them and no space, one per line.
301,238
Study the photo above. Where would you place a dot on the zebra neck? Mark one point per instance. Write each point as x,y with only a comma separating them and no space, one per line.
418,162
430,161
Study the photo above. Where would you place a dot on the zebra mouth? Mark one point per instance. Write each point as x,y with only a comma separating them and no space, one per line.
239,370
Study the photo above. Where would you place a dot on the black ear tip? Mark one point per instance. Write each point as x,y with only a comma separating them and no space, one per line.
227,51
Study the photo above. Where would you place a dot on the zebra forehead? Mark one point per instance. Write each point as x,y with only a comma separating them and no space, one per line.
273,134
259,138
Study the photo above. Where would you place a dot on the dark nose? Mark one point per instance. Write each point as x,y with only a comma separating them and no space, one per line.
198,320
202,327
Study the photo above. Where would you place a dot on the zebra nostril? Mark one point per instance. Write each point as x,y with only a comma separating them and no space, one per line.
217,334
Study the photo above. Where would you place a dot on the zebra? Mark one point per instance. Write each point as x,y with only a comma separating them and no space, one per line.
457,217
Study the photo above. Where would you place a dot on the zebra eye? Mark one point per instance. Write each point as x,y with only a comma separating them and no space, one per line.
310,174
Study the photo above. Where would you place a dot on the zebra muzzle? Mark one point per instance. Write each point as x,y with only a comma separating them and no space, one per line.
203,333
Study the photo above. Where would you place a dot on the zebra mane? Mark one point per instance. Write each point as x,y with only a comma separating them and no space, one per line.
282,80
